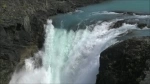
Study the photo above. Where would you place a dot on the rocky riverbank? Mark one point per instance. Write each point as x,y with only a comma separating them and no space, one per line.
21,28
127,62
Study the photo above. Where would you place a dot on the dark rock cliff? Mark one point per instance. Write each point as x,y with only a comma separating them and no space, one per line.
127,62
21,28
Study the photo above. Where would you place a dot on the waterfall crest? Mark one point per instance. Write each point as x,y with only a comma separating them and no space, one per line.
70,56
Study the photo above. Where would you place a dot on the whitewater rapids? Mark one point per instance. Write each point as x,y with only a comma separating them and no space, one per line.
70,57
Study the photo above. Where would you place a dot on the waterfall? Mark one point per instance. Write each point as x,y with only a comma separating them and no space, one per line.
69,57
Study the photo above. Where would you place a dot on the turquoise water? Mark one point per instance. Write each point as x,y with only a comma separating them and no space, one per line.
74,41
139,6
92,13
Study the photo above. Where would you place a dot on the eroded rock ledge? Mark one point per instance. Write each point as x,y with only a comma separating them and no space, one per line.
127,62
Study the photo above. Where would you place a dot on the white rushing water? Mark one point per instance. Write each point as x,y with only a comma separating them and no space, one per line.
69,57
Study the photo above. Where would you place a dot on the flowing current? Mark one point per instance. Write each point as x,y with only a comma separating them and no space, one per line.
74,41
70,57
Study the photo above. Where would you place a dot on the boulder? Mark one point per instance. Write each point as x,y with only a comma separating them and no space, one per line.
126,62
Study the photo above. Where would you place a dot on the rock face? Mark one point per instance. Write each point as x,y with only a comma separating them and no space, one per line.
127,62
15,40
21,29
141,23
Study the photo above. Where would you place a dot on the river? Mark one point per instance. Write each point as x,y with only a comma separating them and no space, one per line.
74,41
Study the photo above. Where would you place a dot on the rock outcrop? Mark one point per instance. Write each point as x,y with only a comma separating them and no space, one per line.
127,62
141,23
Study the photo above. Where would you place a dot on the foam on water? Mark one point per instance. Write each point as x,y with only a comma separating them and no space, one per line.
105,13
69,56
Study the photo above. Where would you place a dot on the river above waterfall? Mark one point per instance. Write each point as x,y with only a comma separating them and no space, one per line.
74,41
104,11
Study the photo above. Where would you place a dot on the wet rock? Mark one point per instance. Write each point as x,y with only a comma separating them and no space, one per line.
125,62
118,24
141,25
